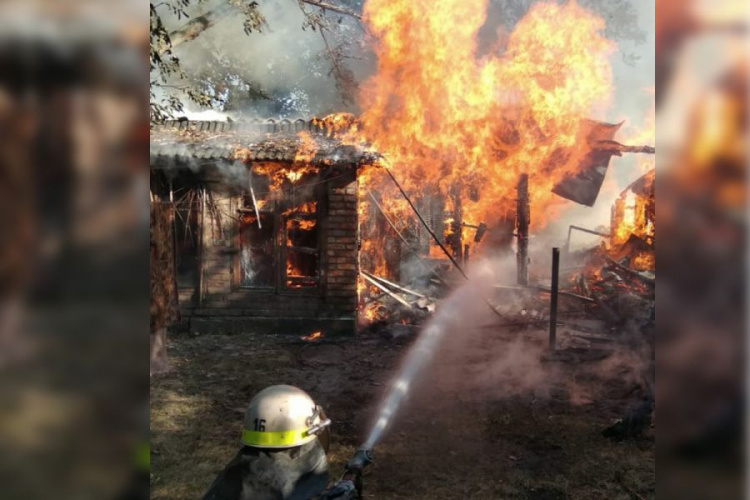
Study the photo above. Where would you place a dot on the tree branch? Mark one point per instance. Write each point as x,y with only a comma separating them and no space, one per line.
334,8
199,24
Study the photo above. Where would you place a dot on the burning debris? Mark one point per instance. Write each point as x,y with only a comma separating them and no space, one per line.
313,336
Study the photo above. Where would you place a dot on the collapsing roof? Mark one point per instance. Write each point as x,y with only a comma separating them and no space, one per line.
253,141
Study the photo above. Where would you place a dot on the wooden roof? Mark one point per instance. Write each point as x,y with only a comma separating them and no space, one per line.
258,141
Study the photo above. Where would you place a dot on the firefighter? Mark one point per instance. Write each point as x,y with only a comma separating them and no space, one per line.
285,439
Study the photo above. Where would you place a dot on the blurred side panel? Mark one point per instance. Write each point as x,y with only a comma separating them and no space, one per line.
702,135
74,249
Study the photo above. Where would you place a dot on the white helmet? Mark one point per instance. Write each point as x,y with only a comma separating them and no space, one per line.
283,416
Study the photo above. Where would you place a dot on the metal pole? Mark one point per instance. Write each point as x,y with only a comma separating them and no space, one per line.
553,298
394,285
583,229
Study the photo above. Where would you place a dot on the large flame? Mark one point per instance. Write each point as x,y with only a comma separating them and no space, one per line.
452,120
458,124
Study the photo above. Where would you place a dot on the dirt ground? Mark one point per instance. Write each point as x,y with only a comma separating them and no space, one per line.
456,438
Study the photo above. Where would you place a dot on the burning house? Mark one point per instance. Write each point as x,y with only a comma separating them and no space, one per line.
281,223
264,223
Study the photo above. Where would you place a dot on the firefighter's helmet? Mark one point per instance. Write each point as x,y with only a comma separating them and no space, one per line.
283,416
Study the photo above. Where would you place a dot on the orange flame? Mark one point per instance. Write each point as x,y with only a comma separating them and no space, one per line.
307,149
279,174
634,214
461,126
446,117
313,336
309,207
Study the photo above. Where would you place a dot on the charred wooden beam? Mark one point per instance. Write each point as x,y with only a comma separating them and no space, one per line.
544,290
631,272
607,312
455,239
582,229
523,218
616,148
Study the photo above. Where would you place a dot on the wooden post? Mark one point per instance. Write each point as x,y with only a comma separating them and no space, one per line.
523,218
173,256
202,233
553,298
457,224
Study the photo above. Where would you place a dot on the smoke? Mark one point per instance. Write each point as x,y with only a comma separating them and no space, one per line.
466,353
285,61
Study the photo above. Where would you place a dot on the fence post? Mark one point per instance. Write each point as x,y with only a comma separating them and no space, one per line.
553,298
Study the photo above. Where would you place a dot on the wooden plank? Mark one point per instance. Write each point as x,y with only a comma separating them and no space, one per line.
396,286
382,288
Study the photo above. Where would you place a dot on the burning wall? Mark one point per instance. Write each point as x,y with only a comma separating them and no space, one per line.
633,227
274,220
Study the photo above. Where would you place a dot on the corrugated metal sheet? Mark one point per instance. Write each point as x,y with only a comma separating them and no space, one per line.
584,187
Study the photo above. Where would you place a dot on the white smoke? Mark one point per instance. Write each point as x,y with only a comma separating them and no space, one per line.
284,61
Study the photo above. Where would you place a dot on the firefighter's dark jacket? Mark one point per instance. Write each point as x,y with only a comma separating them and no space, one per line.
298,473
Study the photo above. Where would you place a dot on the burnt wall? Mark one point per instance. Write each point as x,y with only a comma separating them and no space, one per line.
218,303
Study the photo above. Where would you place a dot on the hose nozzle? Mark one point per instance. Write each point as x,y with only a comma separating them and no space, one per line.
361,459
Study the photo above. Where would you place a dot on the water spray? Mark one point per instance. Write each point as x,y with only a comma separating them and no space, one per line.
349,487
418,357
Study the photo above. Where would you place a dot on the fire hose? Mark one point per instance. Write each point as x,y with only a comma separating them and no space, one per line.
349,487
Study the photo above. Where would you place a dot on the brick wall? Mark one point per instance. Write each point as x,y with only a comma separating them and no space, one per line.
342,249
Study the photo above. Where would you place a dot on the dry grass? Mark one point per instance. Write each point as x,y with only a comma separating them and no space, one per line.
440,447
